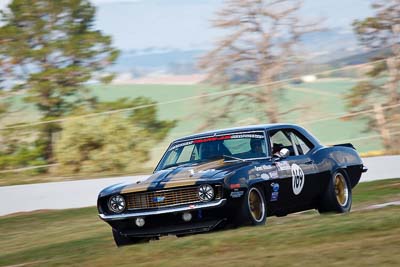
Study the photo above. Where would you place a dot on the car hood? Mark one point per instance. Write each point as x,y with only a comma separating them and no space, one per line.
183,175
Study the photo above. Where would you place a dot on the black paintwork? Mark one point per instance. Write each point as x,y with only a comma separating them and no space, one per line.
318,166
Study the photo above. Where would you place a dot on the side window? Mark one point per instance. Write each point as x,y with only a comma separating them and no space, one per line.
280,140
292,140
302,146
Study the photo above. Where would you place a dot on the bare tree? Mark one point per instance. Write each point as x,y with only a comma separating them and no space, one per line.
262,40
381,31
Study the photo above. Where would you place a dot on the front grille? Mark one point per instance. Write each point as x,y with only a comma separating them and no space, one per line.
163,198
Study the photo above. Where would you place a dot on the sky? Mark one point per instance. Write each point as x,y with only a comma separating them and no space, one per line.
185,24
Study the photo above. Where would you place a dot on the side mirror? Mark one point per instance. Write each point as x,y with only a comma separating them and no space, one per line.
284,153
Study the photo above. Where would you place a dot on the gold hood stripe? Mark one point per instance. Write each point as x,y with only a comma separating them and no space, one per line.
185,177
194,172
143,186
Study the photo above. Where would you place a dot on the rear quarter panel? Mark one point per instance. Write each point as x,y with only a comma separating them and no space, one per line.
331,159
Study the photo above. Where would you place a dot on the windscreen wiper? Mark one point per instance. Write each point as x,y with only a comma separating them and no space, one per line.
232,157
170,166
178,164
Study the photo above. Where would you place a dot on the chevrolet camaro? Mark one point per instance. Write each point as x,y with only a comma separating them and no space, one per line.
232,177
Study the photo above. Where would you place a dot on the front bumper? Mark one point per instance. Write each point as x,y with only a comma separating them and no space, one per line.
176,229
123,216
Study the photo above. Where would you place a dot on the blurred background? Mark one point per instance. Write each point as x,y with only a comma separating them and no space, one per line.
103,87
99,88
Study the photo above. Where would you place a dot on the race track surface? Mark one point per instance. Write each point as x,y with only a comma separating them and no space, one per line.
83,193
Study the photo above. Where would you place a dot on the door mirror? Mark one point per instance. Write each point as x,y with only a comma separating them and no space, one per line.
284,153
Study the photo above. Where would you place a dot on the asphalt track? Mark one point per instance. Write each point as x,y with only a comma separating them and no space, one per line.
83,193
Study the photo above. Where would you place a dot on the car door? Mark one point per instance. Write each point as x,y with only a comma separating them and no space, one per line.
297,171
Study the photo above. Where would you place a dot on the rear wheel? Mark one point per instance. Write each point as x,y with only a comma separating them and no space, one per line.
338,196
253,208
122,240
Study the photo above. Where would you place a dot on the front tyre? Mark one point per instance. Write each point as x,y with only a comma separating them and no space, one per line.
121,240
253,209
338,196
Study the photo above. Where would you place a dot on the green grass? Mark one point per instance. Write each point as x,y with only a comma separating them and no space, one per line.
77,237
376,192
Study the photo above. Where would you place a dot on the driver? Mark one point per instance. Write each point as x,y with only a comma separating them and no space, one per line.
209,150
276,148
256,148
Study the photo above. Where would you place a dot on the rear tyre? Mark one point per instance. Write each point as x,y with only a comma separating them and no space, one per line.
253,209
122,240
338,196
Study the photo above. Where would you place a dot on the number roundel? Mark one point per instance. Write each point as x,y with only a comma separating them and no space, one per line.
297,179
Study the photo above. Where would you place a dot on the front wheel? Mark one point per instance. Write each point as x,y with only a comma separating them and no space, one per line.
253,209
122,240
338,196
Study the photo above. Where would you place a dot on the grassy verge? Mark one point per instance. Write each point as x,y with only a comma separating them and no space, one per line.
376,192
77,237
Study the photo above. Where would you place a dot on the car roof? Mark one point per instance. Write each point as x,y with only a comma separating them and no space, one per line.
259,127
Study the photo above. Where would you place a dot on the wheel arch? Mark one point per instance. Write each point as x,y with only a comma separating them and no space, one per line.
259,183
332,159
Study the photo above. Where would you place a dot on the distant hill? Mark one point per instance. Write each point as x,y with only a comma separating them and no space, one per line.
330,44
335,47
360,58
151,60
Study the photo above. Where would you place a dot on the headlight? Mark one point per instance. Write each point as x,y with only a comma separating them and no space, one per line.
116,204
206,192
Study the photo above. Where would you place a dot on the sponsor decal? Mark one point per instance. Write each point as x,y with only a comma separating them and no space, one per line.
262,168
275,191
265,172
238,136
158,199
283,165
236,194
180,145
265,176
205,171
275,187
297,178
273,174
216,138
210,139
234,186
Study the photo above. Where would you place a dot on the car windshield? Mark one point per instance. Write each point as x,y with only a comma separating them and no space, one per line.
235,146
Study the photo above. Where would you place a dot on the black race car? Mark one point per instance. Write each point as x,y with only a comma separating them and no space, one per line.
232,177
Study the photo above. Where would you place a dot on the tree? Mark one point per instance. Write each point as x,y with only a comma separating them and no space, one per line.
378,32
262,41
50,49
115,143
15,153
142,114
